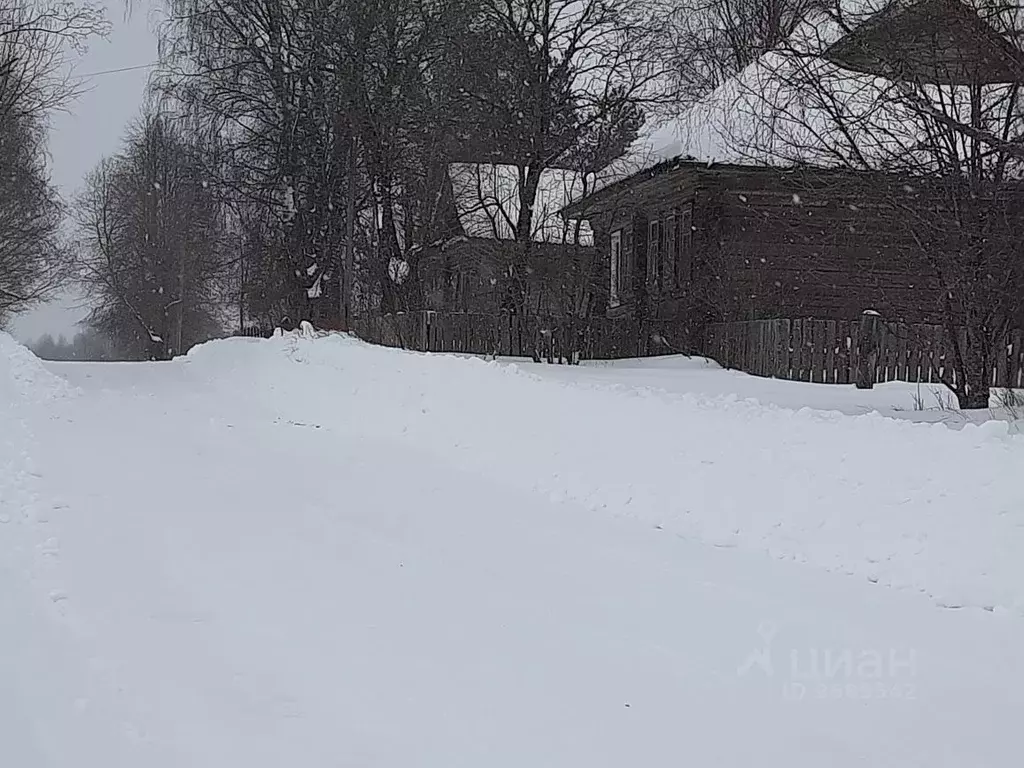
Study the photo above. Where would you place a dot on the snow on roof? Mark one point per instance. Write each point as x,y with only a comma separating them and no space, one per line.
721,127
781,109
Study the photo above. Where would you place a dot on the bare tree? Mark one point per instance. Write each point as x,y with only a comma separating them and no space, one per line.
396,58
261,76
553,91
34,38
709,41
30,252
558,84
153,252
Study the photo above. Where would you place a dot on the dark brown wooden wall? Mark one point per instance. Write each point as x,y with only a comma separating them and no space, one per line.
830,247
781,243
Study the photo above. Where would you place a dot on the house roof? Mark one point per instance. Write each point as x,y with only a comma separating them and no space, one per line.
635,184
762,116
706,130
809,176
627,185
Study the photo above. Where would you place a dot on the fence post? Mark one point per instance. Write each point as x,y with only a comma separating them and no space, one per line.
869,334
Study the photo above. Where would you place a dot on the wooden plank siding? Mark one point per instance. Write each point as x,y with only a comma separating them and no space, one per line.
771,242
820,245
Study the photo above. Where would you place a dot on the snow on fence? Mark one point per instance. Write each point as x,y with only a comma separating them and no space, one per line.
554,339
828,351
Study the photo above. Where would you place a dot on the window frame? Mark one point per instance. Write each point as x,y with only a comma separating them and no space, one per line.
654,251
670,258
618,267
684,246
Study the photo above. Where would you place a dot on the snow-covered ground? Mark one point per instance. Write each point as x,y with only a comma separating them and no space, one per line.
319,553
677,374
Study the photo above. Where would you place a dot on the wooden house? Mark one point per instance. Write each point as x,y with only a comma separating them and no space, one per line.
758,225
480,275
481,268
699,243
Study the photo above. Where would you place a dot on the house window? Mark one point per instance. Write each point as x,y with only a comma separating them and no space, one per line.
671,252
629,261
618,269
653,251
684,258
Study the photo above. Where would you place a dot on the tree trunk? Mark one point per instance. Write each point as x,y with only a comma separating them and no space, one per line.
974,399
974,393
528,187
869,334
973,369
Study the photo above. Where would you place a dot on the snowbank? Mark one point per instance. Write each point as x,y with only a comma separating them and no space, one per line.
23,381
23,376
913,506
677,374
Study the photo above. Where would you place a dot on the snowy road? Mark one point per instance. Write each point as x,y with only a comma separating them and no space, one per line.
196,571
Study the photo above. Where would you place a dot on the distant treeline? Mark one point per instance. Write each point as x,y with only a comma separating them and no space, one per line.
83,346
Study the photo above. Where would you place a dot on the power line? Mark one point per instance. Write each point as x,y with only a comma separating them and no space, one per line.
121,69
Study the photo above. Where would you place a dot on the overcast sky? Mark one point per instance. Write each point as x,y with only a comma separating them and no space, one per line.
92,128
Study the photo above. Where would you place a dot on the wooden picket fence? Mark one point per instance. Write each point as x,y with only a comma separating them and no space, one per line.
254,332
552,339
828,351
